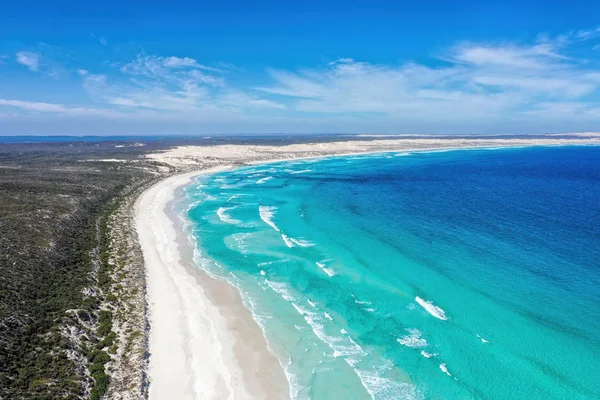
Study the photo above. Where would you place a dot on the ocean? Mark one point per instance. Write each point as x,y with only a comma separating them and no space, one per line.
428,275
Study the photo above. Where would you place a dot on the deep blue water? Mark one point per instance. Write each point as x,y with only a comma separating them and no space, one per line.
460,274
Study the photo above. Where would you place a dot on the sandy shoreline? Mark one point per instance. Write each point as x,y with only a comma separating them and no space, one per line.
203,342
199,157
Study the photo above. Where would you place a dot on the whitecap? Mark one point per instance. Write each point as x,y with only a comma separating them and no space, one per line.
263,180
482,339
444,368
426,354
232,186
432,308
342,346
281,289
264,263
328,316
222,213
323,267
414,340
302,242
235,196
266,214
240,242
287,240
380,387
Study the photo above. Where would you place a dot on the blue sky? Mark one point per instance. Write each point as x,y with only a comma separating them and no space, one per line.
312,66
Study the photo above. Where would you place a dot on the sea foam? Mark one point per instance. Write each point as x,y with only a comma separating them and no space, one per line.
414,340
267,213
432,308
223,216
323,266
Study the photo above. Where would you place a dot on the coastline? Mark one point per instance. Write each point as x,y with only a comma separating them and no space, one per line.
199,157
203,342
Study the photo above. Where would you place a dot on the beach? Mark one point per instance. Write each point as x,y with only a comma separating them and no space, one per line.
203,341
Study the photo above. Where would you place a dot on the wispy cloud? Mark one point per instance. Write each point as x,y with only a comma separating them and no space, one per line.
56,108
478,81
470,85
175,85
29,59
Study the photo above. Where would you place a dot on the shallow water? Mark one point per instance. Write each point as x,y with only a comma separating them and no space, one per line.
443,275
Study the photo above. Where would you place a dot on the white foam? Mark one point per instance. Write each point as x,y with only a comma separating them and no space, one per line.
222,213
294,380
266,214
235,196
371,310
281,289
240,241
287,240
432,308
263,180
262,272
482,339
233,186
302,242
264,263
323,267
426,354
445,369
414,340
362,302
328,316
342,346
380,387
303,171
311,303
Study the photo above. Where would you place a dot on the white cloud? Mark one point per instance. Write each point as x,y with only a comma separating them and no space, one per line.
478,82
479,86
538,56
588,34
173,85
56,108
29,59
156,65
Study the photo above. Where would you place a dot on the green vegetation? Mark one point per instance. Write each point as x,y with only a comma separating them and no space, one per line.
56,332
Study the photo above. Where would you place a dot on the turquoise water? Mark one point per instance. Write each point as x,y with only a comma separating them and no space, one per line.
448,275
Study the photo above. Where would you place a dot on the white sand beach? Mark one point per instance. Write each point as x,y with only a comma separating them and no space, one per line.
194,157
203,342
